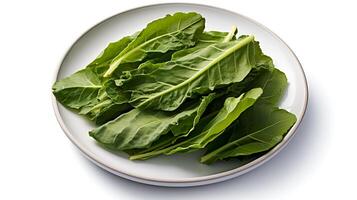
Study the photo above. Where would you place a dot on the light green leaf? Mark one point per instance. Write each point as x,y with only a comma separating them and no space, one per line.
83,87
169,84
101,63
77,90
206,39
172,32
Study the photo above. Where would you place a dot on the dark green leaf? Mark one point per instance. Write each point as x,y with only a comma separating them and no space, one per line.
258,129
233,107
140,128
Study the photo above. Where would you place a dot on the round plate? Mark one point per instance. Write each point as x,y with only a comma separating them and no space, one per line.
182,169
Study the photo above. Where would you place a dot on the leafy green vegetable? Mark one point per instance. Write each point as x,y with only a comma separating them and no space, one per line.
166,87
173,87
258,129
206,39
231,110
274,84
104,111
78,90
272,81
82,88
172,32
101,63
169,139
139,128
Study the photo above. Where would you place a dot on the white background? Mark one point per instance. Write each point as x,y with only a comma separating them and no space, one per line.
37,161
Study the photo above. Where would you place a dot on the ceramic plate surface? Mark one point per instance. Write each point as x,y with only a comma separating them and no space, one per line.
182,169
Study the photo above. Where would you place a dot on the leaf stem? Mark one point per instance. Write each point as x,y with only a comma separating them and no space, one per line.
231,34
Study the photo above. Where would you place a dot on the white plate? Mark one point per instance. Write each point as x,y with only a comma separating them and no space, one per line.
183,169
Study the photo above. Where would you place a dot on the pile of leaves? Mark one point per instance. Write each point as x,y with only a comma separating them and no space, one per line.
172,87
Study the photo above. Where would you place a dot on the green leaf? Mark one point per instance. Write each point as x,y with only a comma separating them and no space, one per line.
206,39
258,129
169,139
105,110
82,88
187,124
169,84
114,92
111,112
272,81
77,90
172,32
231,110
274,85
101,63
85,90
140,128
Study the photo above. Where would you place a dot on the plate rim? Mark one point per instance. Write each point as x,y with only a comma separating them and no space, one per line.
184,182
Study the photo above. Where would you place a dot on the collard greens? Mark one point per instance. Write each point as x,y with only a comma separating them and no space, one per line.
173,88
